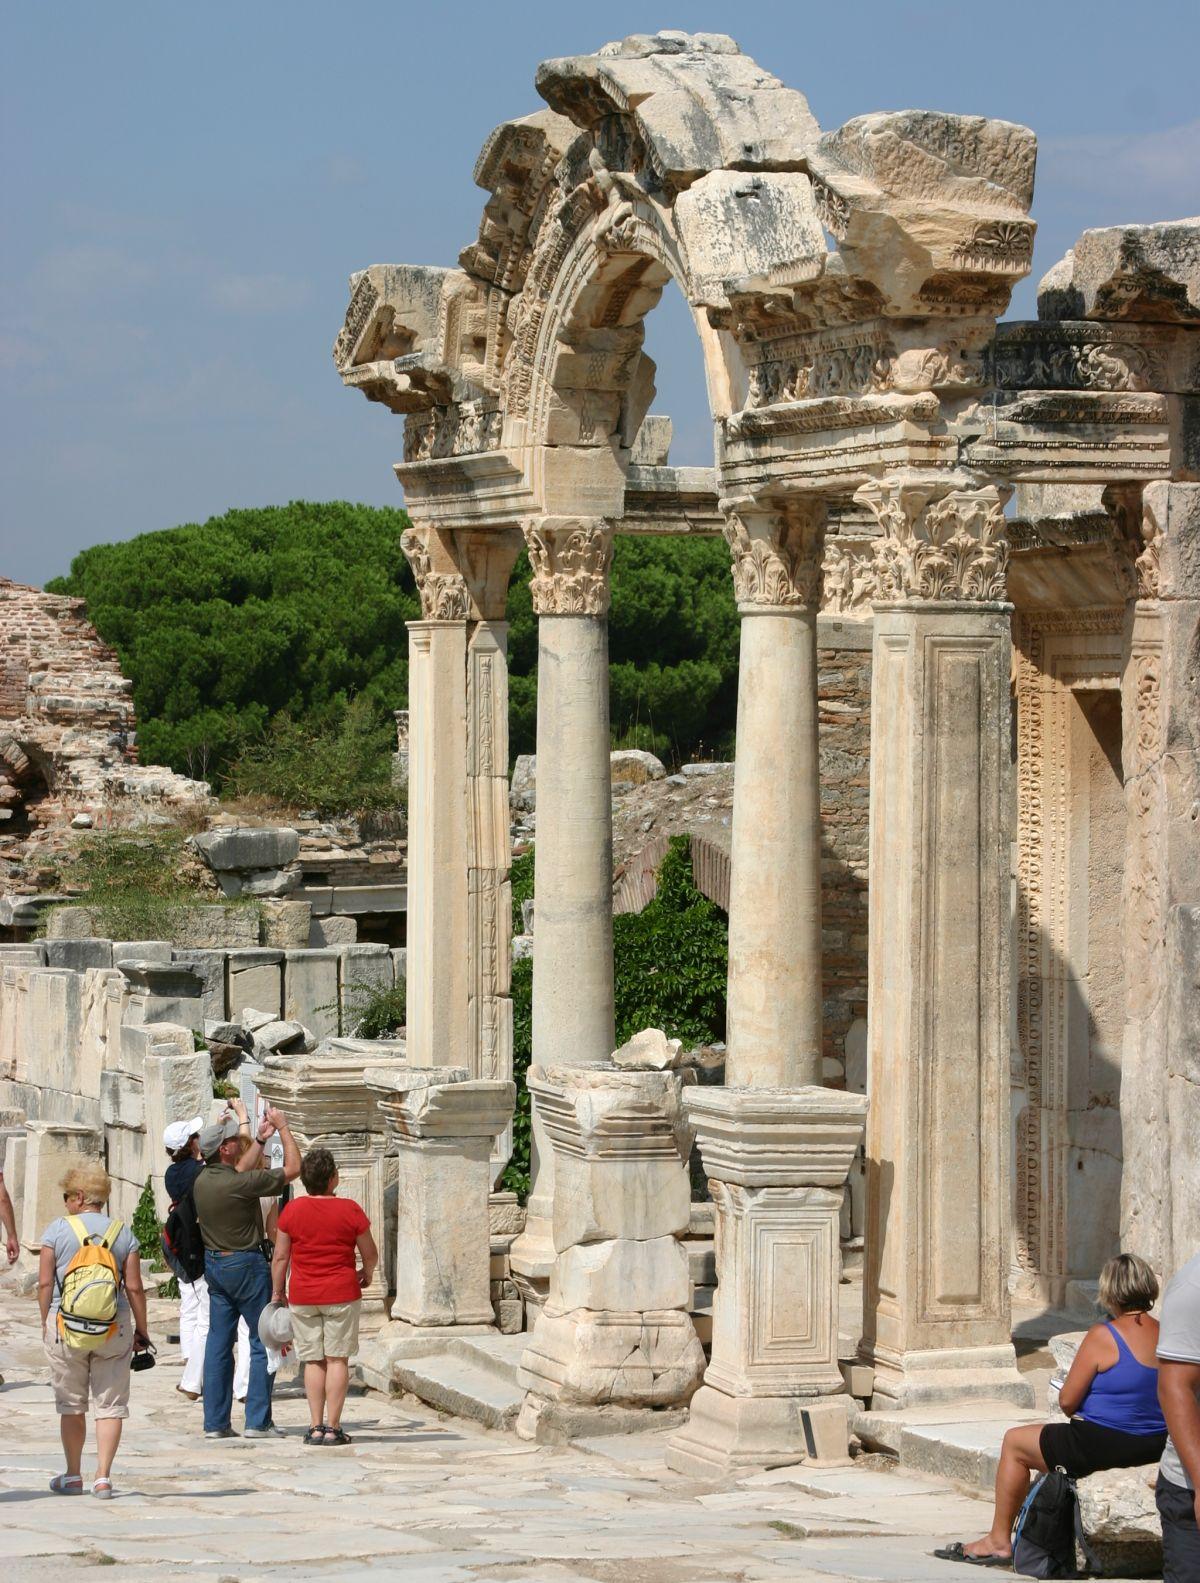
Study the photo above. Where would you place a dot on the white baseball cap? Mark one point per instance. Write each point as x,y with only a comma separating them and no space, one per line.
175,1136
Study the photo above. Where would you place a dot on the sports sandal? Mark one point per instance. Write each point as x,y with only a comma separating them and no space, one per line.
956,1552
67,1484
336,1437
315,1436
102,1489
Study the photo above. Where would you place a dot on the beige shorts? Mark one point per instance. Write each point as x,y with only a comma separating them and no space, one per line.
103,1373
325,1330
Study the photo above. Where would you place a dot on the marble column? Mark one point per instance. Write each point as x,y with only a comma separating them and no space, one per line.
614,1343
459,1005
573,964
774,1015
442,1124
776,1147
937,1319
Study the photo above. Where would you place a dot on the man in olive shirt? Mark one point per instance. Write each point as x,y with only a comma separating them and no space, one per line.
236,1267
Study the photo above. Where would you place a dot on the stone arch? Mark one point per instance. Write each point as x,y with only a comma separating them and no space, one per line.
26,779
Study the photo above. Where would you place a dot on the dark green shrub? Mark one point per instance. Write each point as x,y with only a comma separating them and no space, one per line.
147,1228
344,766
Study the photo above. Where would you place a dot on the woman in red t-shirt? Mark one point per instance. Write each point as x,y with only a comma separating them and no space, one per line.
318,1236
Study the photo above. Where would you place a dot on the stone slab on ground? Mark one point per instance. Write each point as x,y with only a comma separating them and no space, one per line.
954,1442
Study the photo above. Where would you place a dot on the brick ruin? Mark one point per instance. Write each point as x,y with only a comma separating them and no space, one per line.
68,741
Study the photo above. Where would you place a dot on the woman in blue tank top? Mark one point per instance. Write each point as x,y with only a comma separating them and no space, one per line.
1110,1398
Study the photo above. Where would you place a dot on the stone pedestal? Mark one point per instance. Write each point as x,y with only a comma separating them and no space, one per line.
777,1160
573,968
442,1125
615,1332
328,1104
937,1318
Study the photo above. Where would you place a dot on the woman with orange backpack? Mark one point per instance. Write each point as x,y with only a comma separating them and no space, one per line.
94,1317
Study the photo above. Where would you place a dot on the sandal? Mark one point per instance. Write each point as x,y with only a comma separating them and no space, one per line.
67,1484
336,1437
956,1552
315,1436
102,1489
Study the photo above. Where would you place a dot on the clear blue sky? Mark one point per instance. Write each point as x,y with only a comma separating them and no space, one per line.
187,187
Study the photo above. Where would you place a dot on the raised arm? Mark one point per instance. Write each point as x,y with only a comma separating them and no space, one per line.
1083,1371
291,1149
369,1254
280,1261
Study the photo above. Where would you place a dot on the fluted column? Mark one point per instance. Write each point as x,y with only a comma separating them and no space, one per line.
573,964
774,1012
937,1320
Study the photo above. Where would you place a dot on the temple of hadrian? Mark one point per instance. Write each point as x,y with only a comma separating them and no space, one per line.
1008,516
964,999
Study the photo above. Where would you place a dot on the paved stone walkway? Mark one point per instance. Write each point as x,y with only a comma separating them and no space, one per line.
432,1500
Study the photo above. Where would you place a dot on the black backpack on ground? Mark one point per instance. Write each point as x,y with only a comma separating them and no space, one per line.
182,1244
1047,1529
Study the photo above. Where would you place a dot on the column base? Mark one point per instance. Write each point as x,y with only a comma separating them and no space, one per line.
725,1435
949,1374
397,1340
531,1257
637,1360
549,1423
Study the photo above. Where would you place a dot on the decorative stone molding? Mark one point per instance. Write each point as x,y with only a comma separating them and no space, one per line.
571,559
444,595
776,553
947,546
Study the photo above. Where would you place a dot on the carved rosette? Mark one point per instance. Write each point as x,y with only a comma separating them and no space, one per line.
949,546
570,559
444,595
776,554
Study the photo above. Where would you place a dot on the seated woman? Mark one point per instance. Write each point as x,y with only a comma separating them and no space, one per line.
1110,1398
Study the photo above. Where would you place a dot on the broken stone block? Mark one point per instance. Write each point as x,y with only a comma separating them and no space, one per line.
631,1360
141,951
332,931
1121,1521
248,848
1148,273
649,1051
284,1036
79,955
634,767
253,1020
286,924
620,1275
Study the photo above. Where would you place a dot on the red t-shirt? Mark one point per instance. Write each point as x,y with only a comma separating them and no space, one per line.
324,1231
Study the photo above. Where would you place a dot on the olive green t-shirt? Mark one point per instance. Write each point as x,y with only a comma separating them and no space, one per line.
227,1205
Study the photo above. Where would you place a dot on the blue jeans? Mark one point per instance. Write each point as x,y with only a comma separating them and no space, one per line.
239,1286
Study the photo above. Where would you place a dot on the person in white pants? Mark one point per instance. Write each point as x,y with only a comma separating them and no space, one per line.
182,1142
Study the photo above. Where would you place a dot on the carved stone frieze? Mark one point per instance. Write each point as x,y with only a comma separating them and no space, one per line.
465,429
1078,357
851,364
997,245
775,553
848,578
937,544
443,595
570,559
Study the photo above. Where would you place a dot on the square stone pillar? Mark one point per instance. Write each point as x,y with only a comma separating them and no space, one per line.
937,1318
328,1104
773,1394
442,1125
614,1341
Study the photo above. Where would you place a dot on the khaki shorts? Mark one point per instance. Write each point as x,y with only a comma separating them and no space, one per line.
104,1373
325,1330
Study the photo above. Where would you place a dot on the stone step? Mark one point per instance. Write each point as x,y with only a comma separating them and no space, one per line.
461,1385
953,1442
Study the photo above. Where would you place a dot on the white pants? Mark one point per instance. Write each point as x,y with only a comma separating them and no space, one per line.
193,1331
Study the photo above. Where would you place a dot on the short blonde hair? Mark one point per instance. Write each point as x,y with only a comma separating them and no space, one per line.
89,1178
1128,1285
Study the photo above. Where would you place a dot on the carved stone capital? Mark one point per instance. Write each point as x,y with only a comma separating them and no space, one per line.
1137,514
938,543
570,558
443,593
776,553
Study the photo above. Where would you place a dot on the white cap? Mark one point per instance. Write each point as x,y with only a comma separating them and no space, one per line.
175,1136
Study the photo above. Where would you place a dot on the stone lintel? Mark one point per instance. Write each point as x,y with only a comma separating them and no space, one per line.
605,1113
439,1103
325,1092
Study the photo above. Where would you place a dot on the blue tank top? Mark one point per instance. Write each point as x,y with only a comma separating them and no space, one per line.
1125,1397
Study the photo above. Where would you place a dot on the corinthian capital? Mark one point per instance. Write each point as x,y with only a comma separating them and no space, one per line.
775,553
444,595
938,542
570,558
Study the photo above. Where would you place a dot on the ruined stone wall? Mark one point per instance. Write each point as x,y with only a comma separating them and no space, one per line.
67,727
